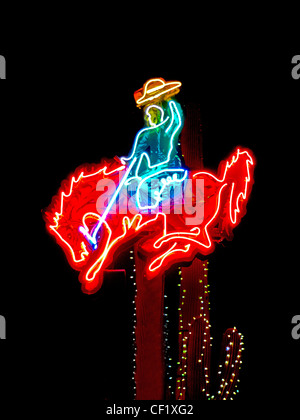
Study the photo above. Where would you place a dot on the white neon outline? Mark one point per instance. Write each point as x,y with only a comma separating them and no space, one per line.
155,264
165,182
195,231
234,211
92,238
177,235
175,85
75,181
154,127
170,251
171,105
56,218
83,254
123,158
127,224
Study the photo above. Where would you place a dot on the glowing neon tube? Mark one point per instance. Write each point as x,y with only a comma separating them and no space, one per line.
92,238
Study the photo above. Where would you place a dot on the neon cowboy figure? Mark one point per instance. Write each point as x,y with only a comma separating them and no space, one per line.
155,155
154,161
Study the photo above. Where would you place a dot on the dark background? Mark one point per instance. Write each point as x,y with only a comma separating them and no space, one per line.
69,100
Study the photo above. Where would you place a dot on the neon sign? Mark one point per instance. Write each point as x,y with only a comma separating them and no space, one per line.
92,241
154,89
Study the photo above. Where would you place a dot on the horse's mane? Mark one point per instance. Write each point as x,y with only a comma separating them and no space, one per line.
78,190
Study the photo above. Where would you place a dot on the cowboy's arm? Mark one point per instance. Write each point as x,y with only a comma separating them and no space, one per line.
173,130
176,117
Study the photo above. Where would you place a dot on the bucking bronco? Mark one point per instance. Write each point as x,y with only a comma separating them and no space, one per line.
150,197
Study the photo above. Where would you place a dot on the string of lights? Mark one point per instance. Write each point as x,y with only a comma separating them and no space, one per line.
193,380
132,279
194,334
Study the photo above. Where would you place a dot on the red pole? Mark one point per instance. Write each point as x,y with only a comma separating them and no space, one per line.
149,375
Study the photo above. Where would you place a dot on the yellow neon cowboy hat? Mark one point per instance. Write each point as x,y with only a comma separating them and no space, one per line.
153,89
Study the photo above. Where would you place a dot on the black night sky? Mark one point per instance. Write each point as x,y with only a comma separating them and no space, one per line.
73,103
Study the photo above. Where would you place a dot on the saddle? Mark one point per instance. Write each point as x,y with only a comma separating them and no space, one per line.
151,188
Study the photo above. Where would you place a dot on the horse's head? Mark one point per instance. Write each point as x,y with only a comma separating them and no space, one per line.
63,220
71,241
75,206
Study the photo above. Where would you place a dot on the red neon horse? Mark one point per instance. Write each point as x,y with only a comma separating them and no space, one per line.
164,239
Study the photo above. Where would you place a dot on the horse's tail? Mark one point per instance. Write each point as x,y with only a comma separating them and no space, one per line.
238,174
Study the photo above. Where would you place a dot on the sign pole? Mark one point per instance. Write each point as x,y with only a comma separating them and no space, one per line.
149,375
